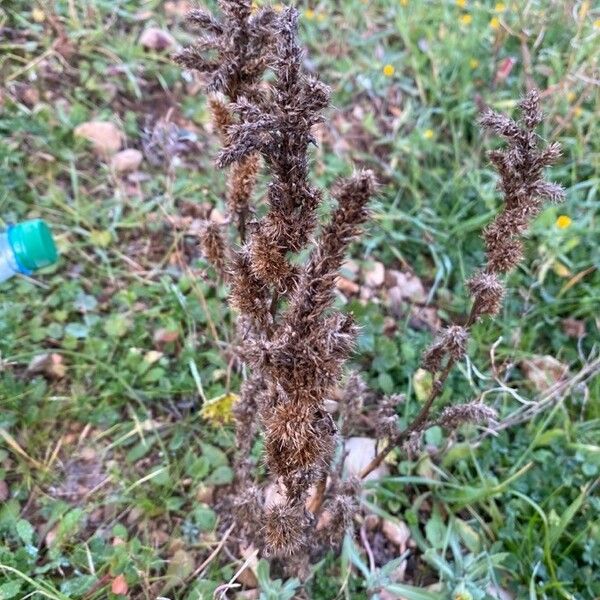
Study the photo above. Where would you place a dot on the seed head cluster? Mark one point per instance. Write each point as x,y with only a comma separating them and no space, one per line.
291,338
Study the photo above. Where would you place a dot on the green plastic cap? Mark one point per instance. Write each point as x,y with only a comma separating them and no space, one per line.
32,244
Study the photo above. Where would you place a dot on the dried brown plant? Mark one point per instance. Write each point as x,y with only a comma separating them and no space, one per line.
524,188
292,339
293,342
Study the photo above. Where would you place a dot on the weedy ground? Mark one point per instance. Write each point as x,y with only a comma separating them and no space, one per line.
116,374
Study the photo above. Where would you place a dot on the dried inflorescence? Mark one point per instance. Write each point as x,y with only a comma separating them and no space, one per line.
474,412
520,167
232,54
293,341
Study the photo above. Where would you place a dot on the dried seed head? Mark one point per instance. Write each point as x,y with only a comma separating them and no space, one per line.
487,292
285,529
387,422
451,343
351,402
474,412
221,115
298,437
213,247
520,167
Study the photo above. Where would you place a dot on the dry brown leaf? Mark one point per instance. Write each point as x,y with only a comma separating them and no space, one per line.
119,585
347,287
126,160
543,371
573,327
106,138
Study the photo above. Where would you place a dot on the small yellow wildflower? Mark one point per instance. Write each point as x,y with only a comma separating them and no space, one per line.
571,96
428,134
404,2
461,3
597,24
495,23
309,14
500,7
563,222
577,111
473,63
38,15
219,410
389,70
465,19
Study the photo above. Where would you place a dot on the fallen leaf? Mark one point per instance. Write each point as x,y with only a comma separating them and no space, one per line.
573,327
119,585
180,566
347,287
154,38
360,451
163,336
106,138
504,70
126,160
543,371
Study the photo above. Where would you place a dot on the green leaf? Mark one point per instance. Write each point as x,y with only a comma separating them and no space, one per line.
10,589
25,531
215,456
116,326
220,476
412,593
180,566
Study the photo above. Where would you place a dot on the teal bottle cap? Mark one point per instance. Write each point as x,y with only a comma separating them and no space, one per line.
32,244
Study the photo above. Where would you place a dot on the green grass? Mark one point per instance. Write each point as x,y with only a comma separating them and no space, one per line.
107,468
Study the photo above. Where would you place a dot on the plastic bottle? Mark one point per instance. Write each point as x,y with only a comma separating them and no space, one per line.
26,247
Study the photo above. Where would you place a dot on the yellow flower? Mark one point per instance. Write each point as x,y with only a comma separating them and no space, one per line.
500,7
404,2
577,111
309,14
495,23
461,3
571,96
428,134
219,410
465,19
473,63
38,15
563,222
389,70
597,24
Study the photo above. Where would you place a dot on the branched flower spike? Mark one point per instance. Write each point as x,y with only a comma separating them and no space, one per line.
521,168
232,54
